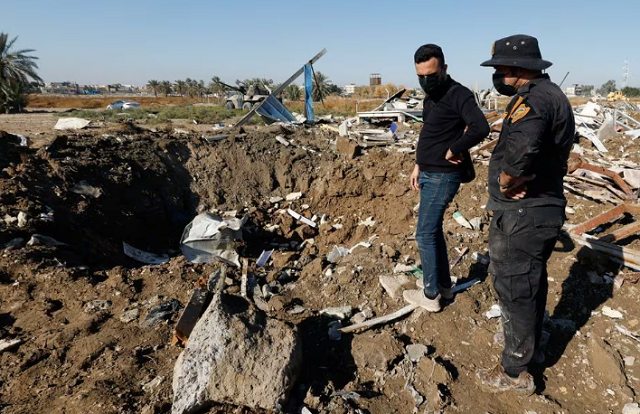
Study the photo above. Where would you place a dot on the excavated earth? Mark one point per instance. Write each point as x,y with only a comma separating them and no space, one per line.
80,309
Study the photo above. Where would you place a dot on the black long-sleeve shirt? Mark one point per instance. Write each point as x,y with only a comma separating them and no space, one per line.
445,120
536,139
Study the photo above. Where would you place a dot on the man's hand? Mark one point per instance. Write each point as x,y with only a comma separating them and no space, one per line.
453,158
414,178
517,187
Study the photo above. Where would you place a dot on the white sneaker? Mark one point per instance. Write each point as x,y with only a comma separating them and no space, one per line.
447,293
417,297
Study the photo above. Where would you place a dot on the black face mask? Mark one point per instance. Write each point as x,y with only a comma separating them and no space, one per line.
433,84
501,87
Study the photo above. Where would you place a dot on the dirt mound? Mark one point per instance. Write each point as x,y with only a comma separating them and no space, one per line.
82,309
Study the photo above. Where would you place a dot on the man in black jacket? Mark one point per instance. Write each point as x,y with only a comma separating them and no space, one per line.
527,198
442,163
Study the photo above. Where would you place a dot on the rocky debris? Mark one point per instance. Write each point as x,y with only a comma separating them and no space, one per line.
375,351
631,408
392,284
341,312
130,315
245,359
97,305
416,351
431,378
162,312
350,149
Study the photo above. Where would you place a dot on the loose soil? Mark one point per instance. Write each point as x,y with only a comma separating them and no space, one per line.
81,357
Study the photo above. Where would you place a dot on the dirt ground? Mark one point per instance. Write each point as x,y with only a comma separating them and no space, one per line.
81,309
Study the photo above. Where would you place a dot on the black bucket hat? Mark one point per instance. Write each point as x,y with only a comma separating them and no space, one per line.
520,51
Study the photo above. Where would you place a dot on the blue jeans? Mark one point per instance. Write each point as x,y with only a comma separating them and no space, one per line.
436,192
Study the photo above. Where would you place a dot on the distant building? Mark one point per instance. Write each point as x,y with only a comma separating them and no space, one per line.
350,89
61,87
575,90
375,79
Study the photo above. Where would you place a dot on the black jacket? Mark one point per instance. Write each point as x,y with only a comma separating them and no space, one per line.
536,139
445,119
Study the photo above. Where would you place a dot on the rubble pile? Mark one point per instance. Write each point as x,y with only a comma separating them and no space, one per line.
149,272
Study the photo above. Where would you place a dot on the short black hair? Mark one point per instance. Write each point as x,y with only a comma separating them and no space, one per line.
428,51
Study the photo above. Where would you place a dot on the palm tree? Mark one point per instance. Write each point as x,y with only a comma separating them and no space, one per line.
165,86
16,65
293,92
320,86
181,87
153,85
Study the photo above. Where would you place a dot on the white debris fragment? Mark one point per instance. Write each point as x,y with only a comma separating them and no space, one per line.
629,361
293,196
369,222
631,408
458,217
9,344
612,313
283,141
71,123
340,312
274,200
302,218
40,240
153,384
144,257
402,268
22,219
494,312
417,351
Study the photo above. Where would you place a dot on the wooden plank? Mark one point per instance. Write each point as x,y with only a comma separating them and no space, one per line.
382,319
603,218
622,233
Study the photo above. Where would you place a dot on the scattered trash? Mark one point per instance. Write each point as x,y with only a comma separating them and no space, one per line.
459,218
628,333
71,123
264,257
464,286
336,253
380,320
346,395
162,312
209,238
274,200
84,188
9,344
494,312
144,257
476,223
402,268
612,313
301,218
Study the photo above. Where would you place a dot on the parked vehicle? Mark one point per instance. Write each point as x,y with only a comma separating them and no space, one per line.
123,105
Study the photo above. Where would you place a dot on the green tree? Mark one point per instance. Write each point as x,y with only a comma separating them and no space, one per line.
17,67
321,87
180,87
607,87
216,87
154,86
631,92
165,87
292,92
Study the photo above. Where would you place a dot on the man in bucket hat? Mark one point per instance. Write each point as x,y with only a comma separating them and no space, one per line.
526,195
